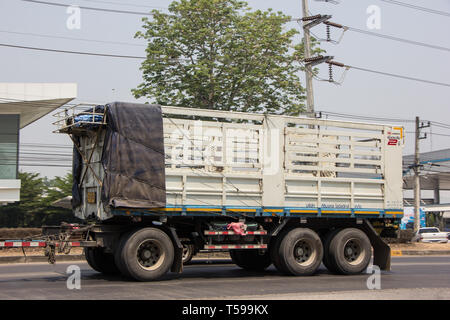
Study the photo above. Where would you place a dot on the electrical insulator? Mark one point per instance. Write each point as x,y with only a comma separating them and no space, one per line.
330,71
328,33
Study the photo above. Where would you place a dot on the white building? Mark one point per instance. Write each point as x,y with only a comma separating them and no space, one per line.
20,105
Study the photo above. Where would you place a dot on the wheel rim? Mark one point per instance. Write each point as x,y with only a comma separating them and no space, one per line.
186,252
353,252
304,252
150,254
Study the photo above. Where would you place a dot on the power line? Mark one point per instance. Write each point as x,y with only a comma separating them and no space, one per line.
375,34
399,3
89,8
72,52
143,45
334,114
439,134
433,133
441,125
385,74
128,4
383,119
400,76
71,38
84,53
139,57
361,117
384,36
317,19
372,71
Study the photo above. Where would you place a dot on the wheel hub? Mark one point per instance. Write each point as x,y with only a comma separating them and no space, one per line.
149,254
302,252
146,254
352,250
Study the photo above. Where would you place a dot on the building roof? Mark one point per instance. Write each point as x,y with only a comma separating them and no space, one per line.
34,100
435,172
442,207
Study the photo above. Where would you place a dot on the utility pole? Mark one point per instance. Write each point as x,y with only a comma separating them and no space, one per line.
417,195
417,178
308,68
310,61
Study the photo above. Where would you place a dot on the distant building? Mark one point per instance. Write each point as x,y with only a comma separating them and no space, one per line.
444,211
20,105
434,178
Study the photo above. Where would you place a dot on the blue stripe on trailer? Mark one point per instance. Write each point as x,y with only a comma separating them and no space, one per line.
206,211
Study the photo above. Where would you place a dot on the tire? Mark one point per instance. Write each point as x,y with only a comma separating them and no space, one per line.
90,260
327,261
101,261
145,255
251,260
350,251
188,253
300,252
118,255
274,247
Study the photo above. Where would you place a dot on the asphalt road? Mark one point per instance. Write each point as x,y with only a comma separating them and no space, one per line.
413,277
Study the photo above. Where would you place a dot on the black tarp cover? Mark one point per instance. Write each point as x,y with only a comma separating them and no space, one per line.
133,157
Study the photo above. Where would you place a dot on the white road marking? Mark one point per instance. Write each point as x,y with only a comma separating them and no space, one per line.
31,275
420,263
383,294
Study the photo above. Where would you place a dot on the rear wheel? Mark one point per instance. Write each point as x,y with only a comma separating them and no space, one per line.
188,252
327,261
145,255
350,251
274,247
101,261
300,252
252,260
118,255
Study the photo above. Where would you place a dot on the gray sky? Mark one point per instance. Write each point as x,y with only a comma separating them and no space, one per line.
102,79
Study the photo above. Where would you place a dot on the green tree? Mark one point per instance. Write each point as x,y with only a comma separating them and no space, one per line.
59,187
218,54
35,207
22,213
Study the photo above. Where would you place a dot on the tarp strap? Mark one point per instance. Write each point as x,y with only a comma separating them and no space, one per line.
86,162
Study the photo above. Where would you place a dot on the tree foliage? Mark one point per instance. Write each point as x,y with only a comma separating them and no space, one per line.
35,207
218,54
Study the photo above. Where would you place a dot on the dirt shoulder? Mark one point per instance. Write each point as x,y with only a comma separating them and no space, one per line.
418,246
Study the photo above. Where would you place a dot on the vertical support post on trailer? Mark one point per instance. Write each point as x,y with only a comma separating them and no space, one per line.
273,162
391,147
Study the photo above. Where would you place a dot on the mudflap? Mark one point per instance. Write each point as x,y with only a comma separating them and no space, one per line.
177,265
381,250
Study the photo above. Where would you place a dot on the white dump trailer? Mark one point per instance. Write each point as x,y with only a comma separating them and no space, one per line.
151,180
